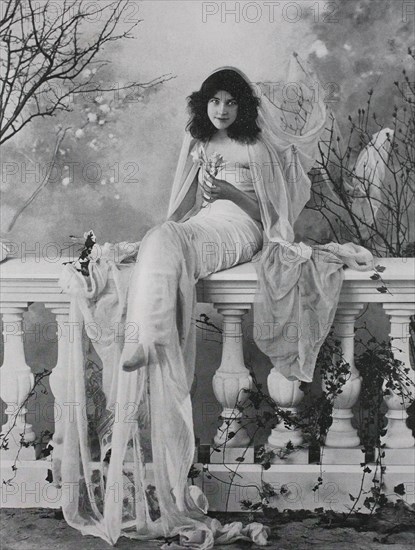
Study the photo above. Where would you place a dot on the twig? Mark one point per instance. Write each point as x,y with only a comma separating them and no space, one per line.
43,184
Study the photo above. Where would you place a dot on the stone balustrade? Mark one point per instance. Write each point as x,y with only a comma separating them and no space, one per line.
232,293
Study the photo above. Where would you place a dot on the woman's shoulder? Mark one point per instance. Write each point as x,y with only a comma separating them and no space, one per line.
259,147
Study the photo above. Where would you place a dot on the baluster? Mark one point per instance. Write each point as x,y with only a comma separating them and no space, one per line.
287,395
398,435
342,445
228,383
17,381
58,381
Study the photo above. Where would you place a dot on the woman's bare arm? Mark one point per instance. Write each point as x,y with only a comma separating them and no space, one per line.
247,203
222,189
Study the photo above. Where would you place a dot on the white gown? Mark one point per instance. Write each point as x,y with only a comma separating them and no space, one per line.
218,237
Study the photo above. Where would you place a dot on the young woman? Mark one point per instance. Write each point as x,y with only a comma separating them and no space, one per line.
240,184
226,231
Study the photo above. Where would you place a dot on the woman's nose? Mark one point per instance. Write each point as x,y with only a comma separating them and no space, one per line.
222,108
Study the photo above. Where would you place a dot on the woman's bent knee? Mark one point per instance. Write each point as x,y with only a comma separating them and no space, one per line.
162,240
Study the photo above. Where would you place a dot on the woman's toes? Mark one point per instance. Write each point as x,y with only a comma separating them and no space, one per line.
136,361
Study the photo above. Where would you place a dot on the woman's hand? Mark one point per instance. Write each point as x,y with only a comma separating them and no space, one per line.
215,189
221,189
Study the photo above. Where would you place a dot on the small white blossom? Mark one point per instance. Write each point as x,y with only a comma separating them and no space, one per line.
99,99
319,48
79,133
92,117
66,181
103,182
86,73
105,108
101,121
93,144
112,179
116,196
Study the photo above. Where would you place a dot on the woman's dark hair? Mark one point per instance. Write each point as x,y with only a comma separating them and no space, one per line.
245,128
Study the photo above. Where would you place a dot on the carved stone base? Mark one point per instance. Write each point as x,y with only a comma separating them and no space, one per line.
399,457
15,448
300,456
298,482
332,455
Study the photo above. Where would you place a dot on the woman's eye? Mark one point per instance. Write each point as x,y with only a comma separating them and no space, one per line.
232,102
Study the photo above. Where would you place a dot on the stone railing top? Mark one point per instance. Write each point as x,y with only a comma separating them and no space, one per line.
25,276
34,268
396,269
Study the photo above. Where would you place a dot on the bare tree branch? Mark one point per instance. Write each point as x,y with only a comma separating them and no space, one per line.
44,182
43,53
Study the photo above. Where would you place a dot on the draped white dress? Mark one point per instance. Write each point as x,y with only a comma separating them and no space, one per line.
217,237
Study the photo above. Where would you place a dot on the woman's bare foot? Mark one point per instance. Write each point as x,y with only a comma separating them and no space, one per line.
138,360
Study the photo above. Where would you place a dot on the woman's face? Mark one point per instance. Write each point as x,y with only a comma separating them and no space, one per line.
222,110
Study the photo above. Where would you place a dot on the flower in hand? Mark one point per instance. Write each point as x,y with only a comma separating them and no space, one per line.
212,188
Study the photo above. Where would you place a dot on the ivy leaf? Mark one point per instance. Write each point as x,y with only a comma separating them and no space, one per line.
267,489
368,502
46,452
382,289
352,498
375,277
246,504
399,489
380,268
382,500
49,477
240,459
